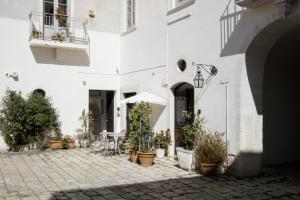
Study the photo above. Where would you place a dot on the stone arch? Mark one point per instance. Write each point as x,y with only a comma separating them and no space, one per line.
257,53
259,56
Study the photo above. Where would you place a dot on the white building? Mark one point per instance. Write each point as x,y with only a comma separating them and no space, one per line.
131,46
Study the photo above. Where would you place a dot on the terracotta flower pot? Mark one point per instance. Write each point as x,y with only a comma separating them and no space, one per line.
146,158
71,144
55,144
133,155
209,169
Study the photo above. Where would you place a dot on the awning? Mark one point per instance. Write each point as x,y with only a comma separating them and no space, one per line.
145,97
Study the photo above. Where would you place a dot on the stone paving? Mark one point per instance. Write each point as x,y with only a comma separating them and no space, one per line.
79,174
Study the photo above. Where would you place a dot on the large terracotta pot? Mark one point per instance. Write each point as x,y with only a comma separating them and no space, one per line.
209,169
55,144
146,158
133,155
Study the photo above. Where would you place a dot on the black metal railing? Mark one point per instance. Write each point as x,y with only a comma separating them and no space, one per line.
58,27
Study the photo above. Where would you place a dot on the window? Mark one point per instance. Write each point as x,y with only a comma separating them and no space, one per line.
51,9
130,14
49,12
179,4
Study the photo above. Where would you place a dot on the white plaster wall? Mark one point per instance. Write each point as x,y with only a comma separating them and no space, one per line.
196,38
143,55
62,80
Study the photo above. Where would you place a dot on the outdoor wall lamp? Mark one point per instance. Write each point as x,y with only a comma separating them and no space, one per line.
13,75
199,80
118,111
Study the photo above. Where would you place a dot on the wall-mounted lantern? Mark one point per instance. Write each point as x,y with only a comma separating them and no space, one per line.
118,111
92,14
13,75
199,80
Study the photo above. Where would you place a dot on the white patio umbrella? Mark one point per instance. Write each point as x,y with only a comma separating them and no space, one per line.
146,97
157,104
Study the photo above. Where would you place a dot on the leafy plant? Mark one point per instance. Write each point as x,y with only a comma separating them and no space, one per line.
60,10
162,140
190,129
65,143
13,119
140,131
87,128
27,121
58,36
210,148
41,117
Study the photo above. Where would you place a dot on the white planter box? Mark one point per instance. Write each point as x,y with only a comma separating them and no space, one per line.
160,153
186,158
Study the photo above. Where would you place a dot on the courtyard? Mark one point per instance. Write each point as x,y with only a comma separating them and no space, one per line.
81,174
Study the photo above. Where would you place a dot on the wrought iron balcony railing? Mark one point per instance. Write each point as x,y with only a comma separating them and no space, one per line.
58,28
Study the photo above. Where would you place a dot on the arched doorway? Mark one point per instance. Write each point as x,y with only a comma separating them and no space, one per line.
183,101
271,61
281,136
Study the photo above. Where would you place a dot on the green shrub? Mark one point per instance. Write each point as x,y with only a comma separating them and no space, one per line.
190,129
13,119
27,121
140,129
162,140
65,143
210,148
41,117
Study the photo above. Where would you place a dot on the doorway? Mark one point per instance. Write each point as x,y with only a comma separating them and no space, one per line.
184,101
101,105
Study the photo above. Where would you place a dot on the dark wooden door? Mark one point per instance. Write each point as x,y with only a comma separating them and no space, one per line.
101,104
184,101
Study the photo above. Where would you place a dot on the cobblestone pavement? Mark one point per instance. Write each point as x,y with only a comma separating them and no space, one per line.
79,174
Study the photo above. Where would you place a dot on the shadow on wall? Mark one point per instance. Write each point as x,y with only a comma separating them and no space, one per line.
245,164
230,21
271,62
219,187
44,55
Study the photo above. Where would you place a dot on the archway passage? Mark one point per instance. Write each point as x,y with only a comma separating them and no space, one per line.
281,137
184,101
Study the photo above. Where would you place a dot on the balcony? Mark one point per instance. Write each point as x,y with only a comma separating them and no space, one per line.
252,3
58,31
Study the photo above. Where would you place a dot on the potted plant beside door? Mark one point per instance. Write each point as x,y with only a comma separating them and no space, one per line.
211,151
161,142
186,155
140,135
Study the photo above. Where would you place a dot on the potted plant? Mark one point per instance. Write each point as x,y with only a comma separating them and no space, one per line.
61,14
211,151
140,135
85,133
55,143
161,143
68,143
186,156
58,36
36,34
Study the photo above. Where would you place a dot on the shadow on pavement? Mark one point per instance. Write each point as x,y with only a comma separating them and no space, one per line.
273,184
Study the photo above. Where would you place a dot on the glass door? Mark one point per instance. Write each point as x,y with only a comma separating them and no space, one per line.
55,17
